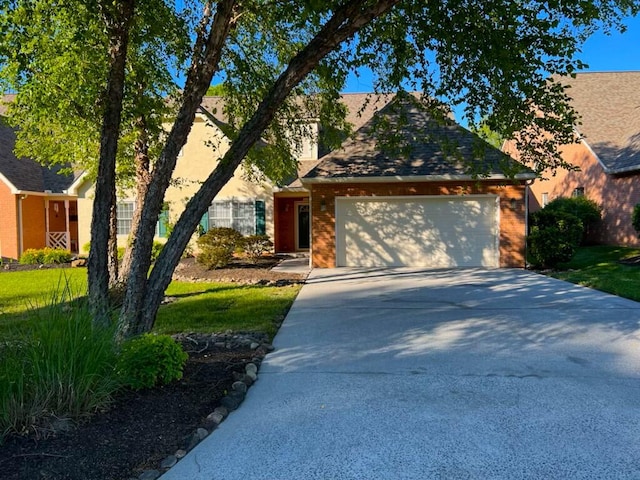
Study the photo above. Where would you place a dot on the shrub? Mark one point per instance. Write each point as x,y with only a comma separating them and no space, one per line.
635,218
45,256
149,360
554,237
156,248
217,247
254,246
32,256
56,255
587,211
87,246
60,368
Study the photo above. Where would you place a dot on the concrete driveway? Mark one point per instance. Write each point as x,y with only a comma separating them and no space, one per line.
399,373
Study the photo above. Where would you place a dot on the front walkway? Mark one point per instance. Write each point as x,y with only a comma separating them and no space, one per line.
408,374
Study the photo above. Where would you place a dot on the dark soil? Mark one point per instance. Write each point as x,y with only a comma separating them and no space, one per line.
137,432
239,271
142,428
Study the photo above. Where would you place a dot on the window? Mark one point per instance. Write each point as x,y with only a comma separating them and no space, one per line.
125,217
545,200
578,192
245,216
162,226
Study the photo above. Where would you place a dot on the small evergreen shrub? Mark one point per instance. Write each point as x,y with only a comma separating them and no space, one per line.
46,256
150,360
554,237
635,218
254,246
587,211
217,247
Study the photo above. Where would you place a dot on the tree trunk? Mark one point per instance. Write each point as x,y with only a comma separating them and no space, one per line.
98,272
143,178
112,244
207,54
344,23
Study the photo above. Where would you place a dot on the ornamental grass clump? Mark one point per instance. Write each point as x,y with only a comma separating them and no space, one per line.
62,367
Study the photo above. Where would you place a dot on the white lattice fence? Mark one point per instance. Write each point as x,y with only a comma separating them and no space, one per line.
58,240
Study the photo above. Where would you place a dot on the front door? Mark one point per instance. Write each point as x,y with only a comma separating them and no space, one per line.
302,226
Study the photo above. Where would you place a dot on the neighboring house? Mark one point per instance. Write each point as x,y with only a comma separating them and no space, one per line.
35,210
608,157
416,203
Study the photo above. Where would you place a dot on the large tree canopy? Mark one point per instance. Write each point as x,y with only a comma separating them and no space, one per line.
278,62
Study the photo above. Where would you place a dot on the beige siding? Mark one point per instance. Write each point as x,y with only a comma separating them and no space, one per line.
196,161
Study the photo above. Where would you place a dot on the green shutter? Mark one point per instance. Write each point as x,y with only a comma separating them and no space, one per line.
204,222
260,218
163,220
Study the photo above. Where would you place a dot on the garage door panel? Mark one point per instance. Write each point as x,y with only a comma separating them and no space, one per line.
417,231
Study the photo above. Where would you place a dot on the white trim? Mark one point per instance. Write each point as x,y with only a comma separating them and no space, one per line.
11,186
75,185
414,178
595,155
607,170
20,227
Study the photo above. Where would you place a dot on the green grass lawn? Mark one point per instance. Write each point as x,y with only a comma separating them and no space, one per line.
217,307
199,307
24,290
597,267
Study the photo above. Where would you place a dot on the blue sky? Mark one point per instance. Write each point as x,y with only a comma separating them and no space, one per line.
616,52
613,52
603,53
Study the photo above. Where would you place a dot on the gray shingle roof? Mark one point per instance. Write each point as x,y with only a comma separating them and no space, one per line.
609,104
404,140
24,173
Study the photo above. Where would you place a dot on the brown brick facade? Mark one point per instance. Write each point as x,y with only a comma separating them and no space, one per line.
616,194
512,213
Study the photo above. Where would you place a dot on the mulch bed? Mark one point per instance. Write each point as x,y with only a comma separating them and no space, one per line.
142,428
137,433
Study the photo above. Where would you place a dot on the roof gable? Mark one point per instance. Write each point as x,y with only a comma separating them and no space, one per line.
609,104
24,174
414,145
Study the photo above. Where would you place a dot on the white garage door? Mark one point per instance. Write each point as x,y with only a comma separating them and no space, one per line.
417,231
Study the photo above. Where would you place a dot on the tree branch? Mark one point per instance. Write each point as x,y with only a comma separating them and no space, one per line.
343,24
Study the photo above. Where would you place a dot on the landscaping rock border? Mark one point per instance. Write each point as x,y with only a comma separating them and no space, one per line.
228,403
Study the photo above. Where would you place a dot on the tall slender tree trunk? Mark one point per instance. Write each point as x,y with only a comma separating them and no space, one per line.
138,314
112,243
207,53
143,178
118,16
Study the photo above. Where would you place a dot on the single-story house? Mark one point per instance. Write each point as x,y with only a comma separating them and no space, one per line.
434,213
608,156
35,210
414,201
